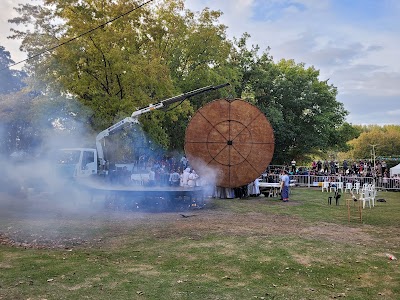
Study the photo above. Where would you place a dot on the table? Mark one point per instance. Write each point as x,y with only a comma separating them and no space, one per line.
272,187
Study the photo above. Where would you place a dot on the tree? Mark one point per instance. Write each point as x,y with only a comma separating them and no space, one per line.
17,132
386,140
10,80
15,122
347,132
150,54
163,49
302,110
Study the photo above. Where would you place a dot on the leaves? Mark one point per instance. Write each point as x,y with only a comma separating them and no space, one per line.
302,109
11,80
150,54
386,141
163,49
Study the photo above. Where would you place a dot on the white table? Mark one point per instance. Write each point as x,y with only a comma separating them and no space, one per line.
272,187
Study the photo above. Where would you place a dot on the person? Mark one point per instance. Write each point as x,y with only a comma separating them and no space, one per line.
385,180
152,177
184,163
192,178
345,167
293,163
253,188
326,166
384,167
314,166
185,176
319,166
174,178
285,183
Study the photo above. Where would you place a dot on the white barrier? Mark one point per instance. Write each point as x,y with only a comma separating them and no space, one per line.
317,180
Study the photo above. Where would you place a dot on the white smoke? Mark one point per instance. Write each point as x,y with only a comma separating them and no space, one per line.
208,176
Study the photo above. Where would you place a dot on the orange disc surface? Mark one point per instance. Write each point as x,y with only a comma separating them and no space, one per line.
231,137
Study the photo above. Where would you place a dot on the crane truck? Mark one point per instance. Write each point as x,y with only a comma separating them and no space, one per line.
86,162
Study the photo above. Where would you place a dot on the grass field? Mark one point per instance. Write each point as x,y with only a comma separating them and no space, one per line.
255,248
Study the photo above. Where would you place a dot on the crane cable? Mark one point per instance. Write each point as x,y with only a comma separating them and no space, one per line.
78,36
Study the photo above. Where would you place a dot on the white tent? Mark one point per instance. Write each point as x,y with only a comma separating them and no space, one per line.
395,170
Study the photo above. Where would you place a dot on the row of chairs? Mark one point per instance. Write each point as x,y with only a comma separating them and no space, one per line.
332,186
352,187
338,186
366,193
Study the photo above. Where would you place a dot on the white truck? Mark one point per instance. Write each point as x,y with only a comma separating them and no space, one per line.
85,162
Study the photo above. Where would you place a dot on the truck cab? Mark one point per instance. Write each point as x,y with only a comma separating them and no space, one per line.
77,162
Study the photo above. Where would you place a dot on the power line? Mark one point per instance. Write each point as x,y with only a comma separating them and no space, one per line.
77,37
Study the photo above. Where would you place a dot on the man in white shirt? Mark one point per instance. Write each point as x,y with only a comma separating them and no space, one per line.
293,163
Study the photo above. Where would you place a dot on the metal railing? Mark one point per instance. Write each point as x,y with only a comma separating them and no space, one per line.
310,181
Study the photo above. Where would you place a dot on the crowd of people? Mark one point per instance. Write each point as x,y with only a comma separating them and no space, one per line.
175,171
361,168
347,171
158,172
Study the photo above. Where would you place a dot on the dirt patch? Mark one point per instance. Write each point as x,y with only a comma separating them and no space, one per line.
336,232
107,228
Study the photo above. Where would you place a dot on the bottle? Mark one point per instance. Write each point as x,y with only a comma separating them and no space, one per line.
390,256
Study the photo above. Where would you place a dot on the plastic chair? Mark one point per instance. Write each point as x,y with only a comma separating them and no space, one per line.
357,187
349,187
372,194
325,186
333,187
365,197
339,186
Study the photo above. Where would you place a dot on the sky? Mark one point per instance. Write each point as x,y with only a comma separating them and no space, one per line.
353,43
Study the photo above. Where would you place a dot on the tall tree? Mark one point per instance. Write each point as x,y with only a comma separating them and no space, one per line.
385,140
302,109
15,121
147,55
10,80
16,130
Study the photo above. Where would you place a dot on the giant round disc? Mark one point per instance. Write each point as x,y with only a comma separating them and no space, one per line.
232,138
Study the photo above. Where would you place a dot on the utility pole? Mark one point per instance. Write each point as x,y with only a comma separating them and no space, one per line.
373,153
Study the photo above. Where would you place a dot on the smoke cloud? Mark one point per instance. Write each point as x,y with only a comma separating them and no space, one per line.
39,199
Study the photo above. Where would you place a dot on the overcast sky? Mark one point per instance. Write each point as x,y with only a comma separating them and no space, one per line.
354,43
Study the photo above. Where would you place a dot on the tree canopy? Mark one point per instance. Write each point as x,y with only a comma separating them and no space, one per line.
163,49
11,80
384,140
150,54
303,110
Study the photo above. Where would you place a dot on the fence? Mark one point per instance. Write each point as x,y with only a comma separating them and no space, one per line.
309,181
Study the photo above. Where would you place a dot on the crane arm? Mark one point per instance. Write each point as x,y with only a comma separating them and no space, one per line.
134,118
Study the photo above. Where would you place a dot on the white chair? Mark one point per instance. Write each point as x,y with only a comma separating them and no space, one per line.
365,197
349,187
339,186
372,194
357,187
333,187
325,186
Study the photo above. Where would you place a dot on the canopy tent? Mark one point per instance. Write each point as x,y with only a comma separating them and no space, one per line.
395,170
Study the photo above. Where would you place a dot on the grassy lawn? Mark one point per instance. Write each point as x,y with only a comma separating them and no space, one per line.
256,248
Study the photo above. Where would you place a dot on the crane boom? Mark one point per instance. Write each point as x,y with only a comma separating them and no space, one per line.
134,118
